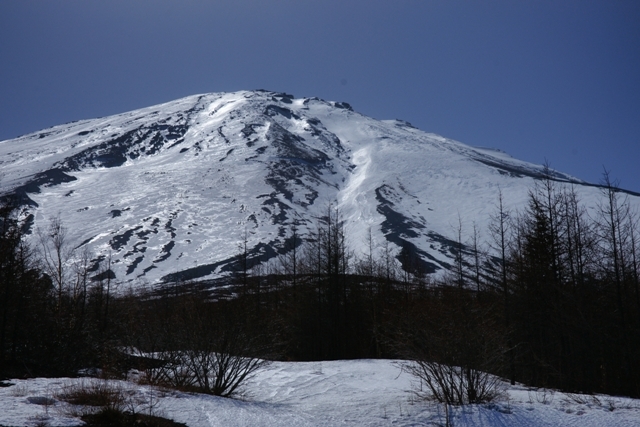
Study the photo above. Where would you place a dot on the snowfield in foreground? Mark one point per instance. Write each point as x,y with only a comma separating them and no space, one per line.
338,393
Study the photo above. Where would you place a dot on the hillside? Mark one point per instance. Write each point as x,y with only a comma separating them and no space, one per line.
170,191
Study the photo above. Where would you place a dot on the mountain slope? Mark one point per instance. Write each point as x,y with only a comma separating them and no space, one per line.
168,192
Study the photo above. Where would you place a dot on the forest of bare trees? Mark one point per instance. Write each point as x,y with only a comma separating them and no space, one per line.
554,302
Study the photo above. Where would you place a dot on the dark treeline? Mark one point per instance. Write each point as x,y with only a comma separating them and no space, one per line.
571,292
554,303
53,318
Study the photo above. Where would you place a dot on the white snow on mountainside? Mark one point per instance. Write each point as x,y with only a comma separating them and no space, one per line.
168,191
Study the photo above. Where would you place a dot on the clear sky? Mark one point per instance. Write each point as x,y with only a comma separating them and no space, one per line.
556,80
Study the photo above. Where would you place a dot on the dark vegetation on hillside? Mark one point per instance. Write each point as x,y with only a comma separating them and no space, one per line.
556,305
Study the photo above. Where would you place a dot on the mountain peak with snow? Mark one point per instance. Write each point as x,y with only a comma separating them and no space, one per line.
168,192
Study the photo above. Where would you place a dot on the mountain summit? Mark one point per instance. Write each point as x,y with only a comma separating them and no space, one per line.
169,192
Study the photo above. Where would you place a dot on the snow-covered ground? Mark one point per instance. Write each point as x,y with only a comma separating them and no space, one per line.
338,393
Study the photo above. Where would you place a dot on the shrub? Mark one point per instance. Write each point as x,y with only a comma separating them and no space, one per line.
107,404
94,393
454,385
202,347
115,418
452,343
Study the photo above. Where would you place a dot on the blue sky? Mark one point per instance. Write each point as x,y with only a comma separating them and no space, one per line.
554,80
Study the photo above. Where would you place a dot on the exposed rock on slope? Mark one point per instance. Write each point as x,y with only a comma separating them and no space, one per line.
168,191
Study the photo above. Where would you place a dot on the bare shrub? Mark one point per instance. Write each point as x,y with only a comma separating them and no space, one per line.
111,418
542,395
100,402
452,343
454,385
20,390
581,399
218,372
205,348
94,393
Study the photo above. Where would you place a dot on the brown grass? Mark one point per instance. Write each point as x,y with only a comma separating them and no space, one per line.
95,393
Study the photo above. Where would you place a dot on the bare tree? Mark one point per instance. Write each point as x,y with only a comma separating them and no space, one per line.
610,224
452,344
206,348
499,229
459,256
290,260
56,253
477,256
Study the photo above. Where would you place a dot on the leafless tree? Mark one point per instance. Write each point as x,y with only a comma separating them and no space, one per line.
206,348
452,343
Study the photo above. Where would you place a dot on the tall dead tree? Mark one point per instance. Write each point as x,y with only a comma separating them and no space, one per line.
499,229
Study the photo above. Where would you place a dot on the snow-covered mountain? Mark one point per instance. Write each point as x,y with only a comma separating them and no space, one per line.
168,191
